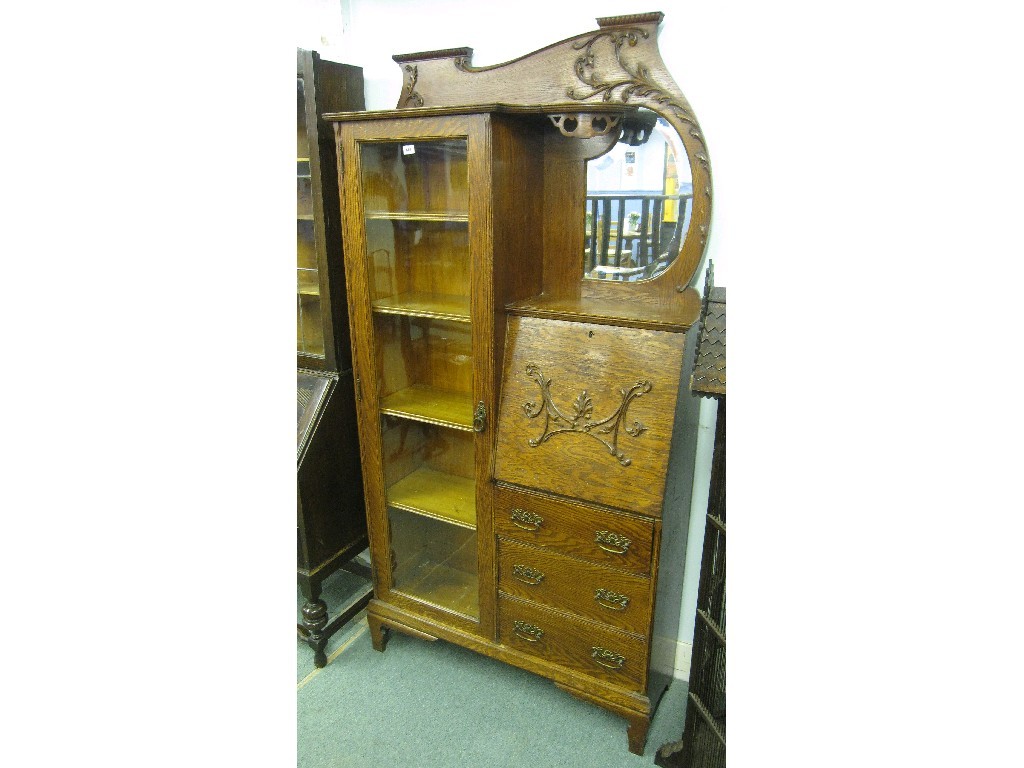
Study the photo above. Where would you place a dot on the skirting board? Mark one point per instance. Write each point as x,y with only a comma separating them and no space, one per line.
672,657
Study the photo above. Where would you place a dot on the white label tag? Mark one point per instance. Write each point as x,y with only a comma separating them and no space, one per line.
408,149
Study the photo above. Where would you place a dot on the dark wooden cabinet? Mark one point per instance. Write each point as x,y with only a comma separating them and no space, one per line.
331,519
516,414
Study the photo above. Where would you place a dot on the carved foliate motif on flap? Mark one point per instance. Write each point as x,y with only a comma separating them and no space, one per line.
557,422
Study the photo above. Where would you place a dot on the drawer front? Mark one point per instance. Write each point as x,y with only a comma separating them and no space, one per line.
580,645
592,591
585,532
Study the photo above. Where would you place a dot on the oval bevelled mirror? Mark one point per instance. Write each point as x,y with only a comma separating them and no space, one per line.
639,202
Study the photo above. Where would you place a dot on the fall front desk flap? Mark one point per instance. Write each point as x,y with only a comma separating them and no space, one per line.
587,411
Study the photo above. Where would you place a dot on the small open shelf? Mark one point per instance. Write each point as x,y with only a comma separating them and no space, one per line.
438,306
433,406
676,316
439,495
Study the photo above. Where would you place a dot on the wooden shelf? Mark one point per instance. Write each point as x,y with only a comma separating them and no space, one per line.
309,290
677,316
439,216
432,406
304,216
449,498
431,305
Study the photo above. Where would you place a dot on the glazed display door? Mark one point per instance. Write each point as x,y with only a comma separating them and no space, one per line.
425,357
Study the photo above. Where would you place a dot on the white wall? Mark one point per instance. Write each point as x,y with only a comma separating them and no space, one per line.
367,33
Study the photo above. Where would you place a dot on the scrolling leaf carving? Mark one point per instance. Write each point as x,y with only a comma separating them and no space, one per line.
409,96
638,84
581,421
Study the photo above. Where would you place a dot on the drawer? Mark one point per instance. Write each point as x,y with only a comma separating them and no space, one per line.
588,590
597,535
584,646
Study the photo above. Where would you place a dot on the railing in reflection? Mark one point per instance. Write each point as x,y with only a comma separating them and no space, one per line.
626,236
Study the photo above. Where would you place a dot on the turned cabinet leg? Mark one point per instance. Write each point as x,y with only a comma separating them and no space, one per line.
637,733
378,633
314,620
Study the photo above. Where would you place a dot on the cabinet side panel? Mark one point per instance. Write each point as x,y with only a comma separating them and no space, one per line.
669,622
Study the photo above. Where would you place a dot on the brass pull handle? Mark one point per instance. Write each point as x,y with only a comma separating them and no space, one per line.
612,542
480,417
611,600
527,575
528,632
528,521
607,659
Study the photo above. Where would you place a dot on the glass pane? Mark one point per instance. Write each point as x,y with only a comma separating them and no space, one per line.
435,562
431,496
416,208
419,267
309,323
310,391
302,147
425,369
305,190
421,177
416,203
428,470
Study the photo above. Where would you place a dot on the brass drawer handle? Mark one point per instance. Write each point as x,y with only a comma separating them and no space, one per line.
612,542
606,658
527,575
611,600
528,632
528,521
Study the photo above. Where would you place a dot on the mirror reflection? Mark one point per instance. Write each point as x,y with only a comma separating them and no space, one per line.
639,202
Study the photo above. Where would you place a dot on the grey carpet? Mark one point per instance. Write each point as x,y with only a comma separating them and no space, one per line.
436,705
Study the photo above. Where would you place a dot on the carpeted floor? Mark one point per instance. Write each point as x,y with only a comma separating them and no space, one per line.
436,705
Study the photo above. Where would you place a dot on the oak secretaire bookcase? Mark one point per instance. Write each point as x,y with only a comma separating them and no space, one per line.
520,245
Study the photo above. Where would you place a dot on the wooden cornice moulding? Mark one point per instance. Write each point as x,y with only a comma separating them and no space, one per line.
446,53
617,64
